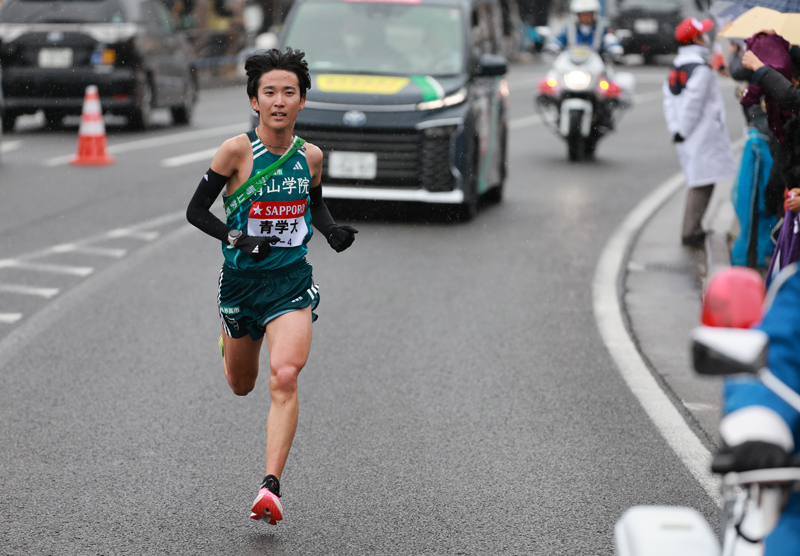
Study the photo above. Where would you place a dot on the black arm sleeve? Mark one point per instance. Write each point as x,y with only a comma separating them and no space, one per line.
781,89
320,215
197,212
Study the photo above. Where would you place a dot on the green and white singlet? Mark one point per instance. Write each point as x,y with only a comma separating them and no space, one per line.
280,208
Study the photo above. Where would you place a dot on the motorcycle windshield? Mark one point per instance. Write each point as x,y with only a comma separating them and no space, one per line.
379,38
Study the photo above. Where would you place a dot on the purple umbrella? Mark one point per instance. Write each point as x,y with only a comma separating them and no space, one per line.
787,250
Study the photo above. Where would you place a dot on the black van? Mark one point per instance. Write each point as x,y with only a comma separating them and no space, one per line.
408,100
51,50
647,27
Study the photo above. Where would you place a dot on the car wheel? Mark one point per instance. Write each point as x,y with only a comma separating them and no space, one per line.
495,194
139,117
53,119
9,119
182,114
467,210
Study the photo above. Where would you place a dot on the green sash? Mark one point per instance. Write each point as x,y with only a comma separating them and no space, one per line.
248,188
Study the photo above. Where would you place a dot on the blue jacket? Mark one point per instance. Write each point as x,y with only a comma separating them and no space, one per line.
587,39
782,325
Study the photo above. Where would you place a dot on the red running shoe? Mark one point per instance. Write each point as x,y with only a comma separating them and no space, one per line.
267,505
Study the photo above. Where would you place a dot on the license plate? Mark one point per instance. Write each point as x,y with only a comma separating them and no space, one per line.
646,26
342,164
55,58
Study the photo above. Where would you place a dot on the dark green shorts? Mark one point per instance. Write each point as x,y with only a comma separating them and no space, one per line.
249,299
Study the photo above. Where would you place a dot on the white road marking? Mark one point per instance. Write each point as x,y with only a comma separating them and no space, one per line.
10,318
89,250
606,292
8,146
189,158
29,290
137,234
699,406
45,267
161,141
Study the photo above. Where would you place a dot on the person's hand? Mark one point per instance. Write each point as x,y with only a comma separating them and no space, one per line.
750,61
257,248
340,237
756,454
793,202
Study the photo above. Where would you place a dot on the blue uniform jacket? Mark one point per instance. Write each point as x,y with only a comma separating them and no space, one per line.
587,39
782,325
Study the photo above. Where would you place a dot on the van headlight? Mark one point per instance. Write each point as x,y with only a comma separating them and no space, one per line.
577,80
456,98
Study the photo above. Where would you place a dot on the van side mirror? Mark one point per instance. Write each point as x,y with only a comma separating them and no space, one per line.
491,64
728,351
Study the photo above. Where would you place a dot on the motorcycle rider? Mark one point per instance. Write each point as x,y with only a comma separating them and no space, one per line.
588,29
759,429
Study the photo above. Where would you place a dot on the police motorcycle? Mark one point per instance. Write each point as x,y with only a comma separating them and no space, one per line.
581,98
753,500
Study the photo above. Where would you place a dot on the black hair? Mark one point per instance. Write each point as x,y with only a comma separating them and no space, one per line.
264,61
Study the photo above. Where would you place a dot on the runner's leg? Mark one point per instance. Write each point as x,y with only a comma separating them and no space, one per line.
240,363
288,341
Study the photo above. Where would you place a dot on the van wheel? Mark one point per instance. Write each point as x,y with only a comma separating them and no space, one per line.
53,119
467,210
139,117
495,194
9,119
182,114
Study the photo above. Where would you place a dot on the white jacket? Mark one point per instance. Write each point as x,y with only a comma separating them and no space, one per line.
698,114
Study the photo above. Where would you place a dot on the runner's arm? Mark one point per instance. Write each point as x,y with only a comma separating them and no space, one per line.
198,213
224,166
339,237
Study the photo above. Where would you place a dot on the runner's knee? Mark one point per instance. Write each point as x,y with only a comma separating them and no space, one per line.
241,387
284,378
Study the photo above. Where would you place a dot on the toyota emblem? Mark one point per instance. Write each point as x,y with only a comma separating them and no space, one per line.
354,118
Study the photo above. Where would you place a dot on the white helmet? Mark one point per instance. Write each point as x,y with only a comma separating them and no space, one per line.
580,6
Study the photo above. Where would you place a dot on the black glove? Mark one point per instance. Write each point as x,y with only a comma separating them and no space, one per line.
340,237
677,138
755,454
257,248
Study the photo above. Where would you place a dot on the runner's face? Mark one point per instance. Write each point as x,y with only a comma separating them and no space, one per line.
278,101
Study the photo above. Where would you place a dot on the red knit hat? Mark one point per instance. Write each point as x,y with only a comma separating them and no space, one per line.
690,28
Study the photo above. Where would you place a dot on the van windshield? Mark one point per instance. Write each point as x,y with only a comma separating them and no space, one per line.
380,38
62,11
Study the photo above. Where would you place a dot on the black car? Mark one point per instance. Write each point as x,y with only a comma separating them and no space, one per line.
408,100
52,50
647,27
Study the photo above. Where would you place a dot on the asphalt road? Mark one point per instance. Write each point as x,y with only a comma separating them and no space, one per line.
458,398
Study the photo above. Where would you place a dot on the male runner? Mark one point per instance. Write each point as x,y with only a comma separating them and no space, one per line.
272,196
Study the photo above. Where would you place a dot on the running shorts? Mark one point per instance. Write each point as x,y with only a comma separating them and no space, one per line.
249,299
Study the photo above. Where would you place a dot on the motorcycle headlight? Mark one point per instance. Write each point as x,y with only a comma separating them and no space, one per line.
577,80
456,98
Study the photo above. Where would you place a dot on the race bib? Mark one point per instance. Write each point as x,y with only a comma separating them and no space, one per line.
282,219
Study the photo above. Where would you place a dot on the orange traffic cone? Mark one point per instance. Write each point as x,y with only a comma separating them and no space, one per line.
92,134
